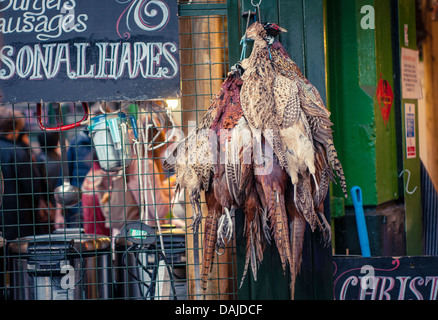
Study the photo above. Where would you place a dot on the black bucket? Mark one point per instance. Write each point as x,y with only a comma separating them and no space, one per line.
63,266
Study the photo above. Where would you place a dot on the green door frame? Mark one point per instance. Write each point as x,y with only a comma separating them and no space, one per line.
372,151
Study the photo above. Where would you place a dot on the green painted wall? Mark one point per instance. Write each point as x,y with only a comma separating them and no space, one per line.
373,153
356,58
386,145
354,132
413,212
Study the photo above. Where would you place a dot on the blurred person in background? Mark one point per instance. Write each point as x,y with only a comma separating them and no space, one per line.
20,195
95,200
80,161
79,157
49,163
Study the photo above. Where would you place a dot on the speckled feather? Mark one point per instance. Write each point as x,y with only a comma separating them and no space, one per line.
313,106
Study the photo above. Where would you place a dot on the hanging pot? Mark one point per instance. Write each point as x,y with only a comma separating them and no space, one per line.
110,135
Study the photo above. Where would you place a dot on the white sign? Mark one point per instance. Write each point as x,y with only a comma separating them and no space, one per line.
411,146
411,87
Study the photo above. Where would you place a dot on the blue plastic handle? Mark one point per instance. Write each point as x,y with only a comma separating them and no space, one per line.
134,125
356,194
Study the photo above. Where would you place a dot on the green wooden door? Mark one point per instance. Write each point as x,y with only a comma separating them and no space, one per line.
405,37
358,58
371,148
304,41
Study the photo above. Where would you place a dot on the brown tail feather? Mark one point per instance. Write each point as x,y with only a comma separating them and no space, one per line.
336,165
304,202
250,256
254,247
210,237
297,230
280,227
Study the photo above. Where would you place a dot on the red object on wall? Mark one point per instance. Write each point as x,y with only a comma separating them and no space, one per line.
385,97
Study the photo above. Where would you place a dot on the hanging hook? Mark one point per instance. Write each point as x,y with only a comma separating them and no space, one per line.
407,182
61,126
243,41
258,8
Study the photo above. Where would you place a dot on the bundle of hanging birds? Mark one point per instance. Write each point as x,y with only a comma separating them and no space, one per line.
273,157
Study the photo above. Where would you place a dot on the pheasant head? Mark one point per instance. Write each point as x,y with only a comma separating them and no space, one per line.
266,32
256,32
273,29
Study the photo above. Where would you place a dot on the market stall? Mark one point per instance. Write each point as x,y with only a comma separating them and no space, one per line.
213,150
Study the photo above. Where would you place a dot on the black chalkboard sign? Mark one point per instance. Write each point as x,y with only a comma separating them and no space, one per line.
385,278
88,50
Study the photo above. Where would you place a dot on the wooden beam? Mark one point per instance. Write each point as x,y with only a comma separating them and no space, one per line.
430,54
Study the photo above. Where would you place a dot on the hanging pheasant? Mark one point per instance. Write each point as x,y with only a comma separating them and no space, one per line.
193,159
231,186
317,116
277,99
236,177
271,104
312,105
227,184
295,114
272,204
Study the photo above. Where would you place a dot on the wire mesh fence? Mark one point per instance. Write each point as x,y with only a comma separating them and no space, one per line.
88,212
